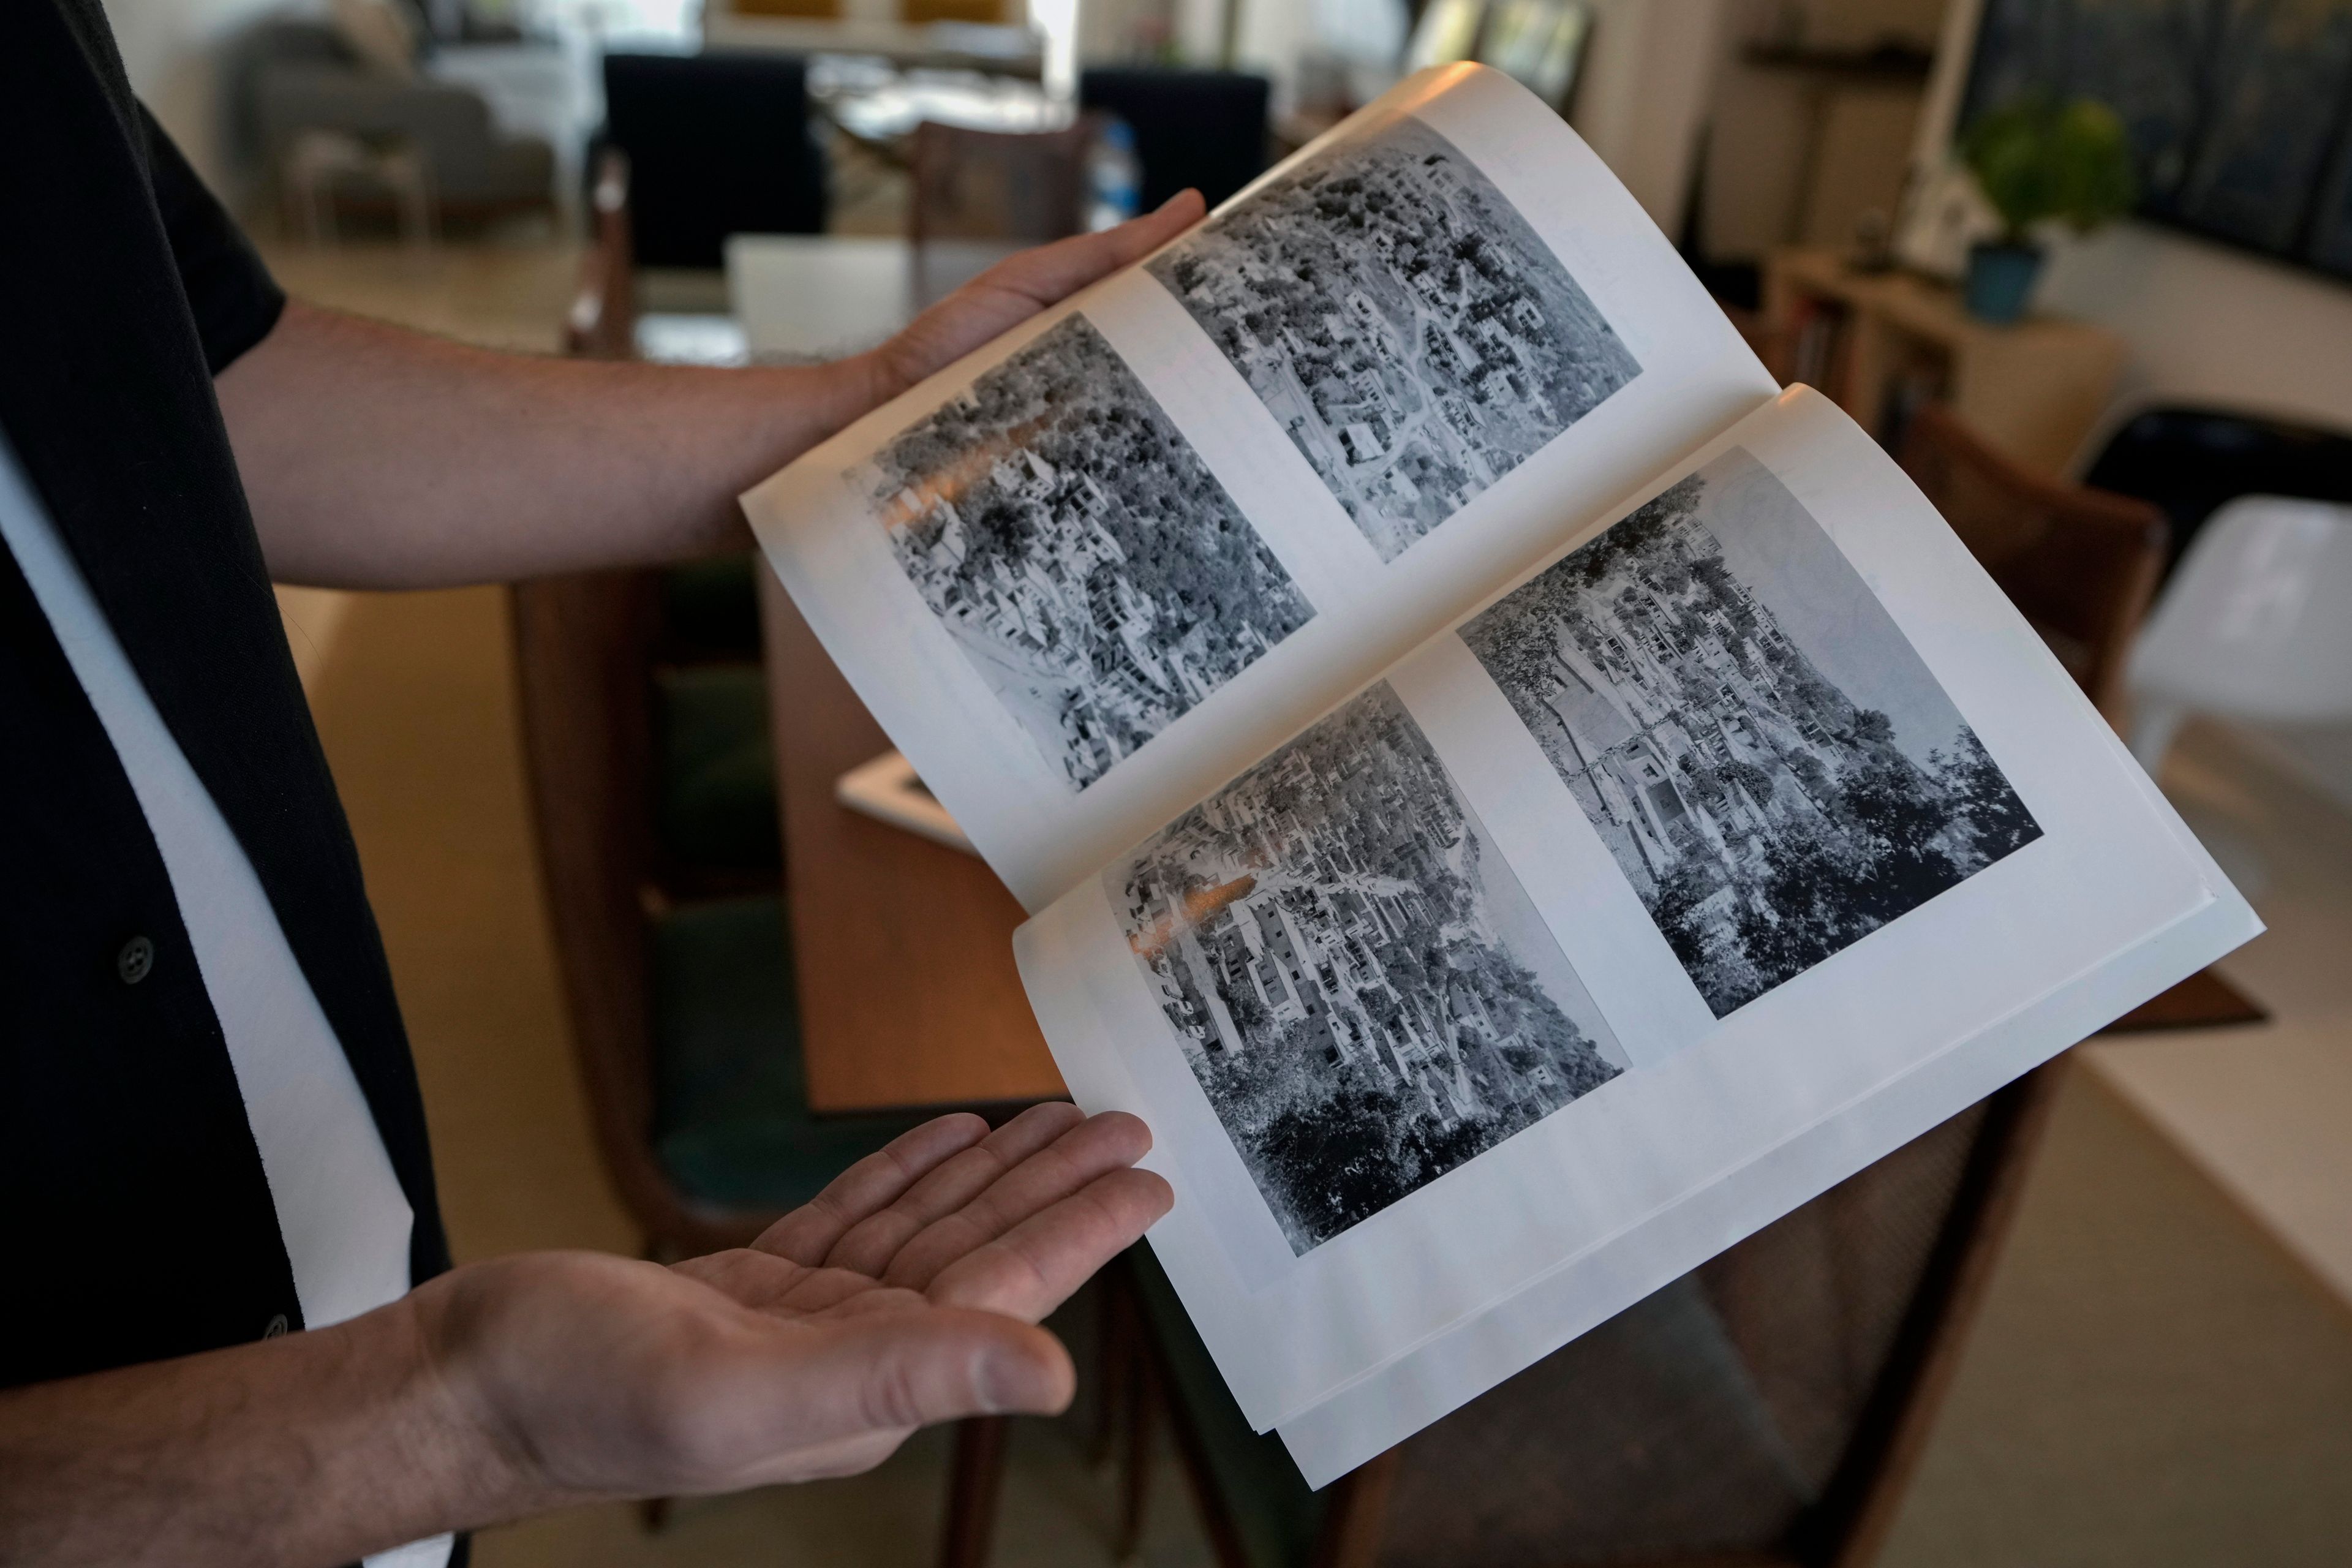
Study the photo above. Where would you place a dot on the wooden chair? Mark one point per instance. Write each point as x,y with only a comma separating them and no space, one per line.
584,660
987,12
1014,186
2081,564
720,143
1767,1408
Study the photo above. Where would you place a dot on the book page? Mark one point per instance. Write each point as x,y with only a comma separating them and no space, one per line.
1100,565
1746,826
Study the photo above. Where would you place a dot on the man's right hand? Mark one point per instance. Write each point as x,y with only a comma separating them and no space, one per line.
907,1292
904,1294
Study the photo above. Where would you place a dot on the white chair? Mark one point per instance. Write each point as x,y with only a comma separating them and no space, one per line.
322,164
2256,624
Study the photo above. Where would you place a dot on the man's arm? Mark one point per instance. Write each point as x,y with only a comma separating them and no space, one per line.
375,458
907,1293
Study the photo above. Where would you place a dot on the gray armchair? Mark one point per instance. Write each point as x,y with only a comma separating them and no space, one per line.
303,78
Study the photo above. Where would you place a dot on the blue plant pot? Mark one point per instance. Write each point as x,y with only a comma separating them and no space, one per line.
2000,279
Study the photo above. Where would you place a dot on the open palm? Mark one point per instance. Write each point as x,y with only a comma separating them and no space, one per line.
905,1293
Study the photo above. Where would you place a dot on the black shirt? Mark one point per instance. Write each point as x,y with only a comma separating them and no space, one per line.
140,1221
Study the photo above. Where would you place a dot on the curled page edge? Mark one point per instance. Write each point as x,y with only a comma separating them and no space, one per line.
888,789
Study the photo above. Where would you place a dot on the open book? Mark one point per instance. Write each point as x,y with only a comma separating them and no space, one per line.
1514,799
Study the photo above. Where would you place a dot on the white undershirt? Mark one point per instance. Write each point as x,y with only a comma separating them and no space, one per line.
340,1211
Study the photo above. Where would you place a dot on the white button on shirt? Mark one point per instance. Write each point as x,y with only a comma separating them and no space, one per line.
340,1211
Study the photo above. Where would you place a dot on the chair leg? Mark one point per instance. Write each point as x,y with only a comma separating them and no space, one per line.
1117,1353
1356,1514
973,1486
653,1512
2155,723
1142,1396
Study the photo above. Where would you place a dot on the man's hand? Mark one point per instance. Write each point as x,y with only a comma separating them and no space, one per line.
904,1294
907,1292
1017,287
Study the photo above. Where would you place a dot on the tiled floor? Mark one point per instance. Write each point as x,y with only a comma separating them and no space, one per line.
2156,1378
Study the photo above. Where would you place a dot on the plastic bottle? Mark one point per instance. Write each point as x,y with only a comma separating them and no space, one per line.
1114,177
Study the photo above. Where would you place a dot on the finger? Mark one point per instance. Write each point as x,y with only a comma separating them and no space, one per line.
889,1372
1033,1267
809,1232
869,1244
800,1399
1053,272
1095,1147
942,1365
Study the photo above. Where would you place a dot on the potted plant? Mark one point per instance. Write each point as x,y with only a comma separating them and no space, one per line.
2037,159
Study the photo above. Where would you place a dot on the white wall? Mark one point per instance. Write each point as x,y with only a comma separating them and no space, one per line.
2208,322
170,51
1644,96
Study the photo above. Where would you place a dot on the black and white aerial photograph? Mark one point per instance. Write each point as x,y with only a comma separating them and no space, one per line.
1087,563
1356,978
1768,760
1403,323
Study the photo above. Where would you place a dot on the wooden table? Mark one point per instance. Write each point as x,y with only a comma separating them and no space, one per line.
904,947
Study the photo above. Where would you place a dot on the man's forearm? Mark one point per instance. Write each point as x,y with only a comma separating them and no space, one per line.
313,1449
380,459
375,456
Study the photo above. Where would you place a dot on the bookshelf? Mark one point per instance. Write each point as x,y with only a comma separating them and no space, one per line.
1880,343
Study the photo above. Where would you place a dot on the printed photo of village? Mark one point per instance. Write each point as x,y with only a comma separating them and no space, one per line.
1354,976
1066,535
1403,323
1771,762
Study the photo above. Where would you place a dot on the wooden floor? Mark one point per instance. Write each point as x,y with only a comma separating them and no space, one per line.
2160,1375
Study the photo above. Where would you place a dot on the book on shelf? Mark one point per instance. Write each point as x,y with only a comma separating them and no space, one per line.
1514,798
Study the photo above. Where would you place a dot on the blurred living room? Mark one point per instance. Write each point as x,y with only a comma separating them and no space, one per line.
2083,266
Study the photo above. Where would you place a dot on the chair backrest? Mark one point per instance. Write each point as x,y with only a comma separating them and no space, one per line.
585,649
602,322
984,11
2079,564
579,646
1202,129
2257,622
994,185
2189,460
718,143
1765,1408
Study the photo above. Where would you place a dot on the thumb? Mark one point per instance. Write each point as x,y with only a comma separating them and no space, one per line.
892,1371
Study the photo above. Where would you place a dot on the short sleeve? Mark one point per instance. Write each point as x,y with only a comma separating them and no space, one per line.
230,293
